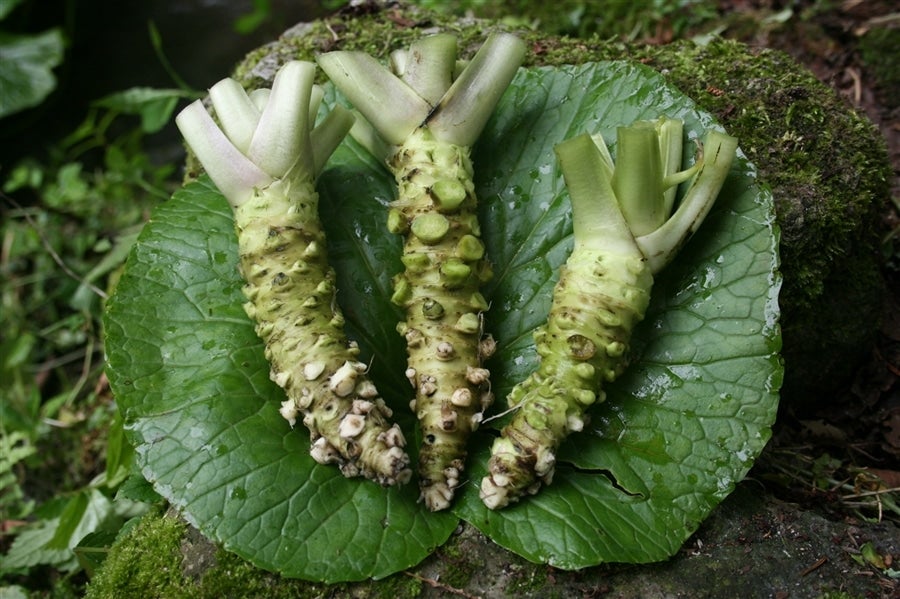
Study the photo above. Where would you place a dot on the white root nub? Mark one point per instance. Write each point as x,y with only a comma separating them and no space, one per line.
343,381
281,379
487,347
305,399
393,437
362,406
351,425
323,452
437,496
367,390
428,385
444,350
477,376
312,370
289,411
461,397
574,423
492,494
546,460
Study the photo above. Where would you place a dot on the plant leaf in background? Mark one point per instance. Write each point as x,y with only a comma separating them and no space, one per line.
26,68
153,105
677,432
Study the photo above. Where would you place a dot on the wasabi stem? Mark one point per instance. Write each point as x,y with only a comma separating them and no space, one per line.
423,121
265,159
604,287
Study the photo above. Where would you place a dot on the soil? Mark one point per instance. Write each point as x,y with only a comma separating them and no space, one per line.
826,456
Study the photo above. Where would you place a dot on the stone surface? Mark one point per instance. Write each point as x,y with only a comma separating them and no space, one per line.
752,546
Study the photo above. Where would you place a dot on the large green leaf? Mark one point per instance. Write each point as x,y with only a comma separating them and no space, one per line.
677,432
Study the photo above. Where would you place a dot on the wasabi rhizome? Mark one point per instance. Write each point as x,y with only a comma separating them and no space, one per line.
422,120
265,160
623,236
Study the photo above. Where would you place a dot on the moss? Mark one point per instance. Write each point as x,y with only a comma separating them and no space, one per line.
825,163
233,576
398,586
530,581
131,571
164,557
458,566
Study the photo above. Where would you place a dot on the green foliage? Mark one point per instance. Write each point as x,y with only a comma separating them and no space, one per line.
249,22
14,448
69,220
689,419
26,64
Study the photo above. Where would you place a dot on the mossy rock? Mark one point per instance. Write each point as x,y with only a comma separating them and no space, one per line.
752,546
825,163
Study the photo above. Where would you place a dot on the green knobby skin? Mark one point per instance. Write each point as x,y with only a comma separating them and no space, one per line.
599,298
290,289
444,266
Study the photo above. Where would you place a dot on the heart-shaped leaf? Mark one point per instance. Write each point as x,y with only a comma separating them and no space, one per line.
676,433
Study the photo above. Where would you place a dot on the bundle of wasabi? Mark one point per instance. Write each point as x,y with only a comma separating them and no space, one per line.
265,160
422,119
623,236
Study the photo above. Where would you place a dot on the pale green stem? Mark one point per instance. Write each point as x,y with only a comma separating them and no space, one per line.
281,137
236,112
328,134
429,65
470,101
638,177
393,108
260,96
600,224
264,135
316,95
366,136
396,107
233,173
671,149
661,245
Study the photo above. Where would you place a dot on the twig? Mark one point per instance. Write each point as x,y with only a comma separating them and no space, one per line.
857,84
816,565
439,585
870,493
